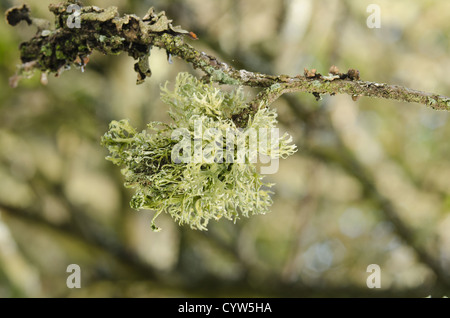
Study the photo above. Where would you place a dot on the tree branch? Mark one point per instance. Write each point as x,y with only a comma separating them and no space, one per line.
53,51
104,241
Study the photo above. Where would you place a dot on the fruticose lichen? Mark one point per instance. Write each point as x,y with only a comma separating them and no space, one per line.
208,178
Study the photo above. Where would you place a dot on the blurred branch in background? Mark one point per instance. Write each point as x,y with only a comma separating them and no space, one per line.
370,184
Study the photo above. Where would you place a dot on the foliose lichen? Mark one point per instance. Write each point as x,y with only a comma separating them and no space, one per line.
223,182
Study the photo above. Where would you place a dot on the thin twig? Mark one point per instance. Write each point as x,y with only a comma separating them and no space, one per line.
103,30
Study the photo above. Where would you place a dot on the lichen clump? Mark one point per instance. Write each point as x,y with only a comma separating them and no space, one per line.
202,166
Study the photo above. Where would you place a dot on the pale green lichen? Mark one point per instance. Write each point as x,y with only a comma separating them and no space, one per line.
275,86
431,101
222,77
195,191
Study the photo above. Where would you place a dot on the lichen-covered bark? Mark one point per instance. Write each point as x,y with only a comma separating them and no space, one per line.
54,50
100,29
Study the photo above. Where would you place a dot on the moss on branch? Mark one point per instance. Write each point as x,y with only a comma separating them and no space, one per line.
62,47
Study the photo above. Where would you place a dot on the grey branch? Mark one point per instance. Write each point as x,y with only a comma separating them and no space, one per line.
53,51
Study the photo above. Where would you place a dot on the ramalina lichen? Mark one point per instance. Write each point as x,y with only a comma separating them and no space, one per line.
202,166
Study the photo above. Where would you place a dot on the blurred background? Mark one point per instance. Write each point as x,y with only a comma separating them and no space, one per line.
370,183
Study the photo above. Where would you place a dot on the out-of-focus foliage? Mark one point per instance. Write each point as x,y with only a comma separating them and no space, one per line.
370,183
